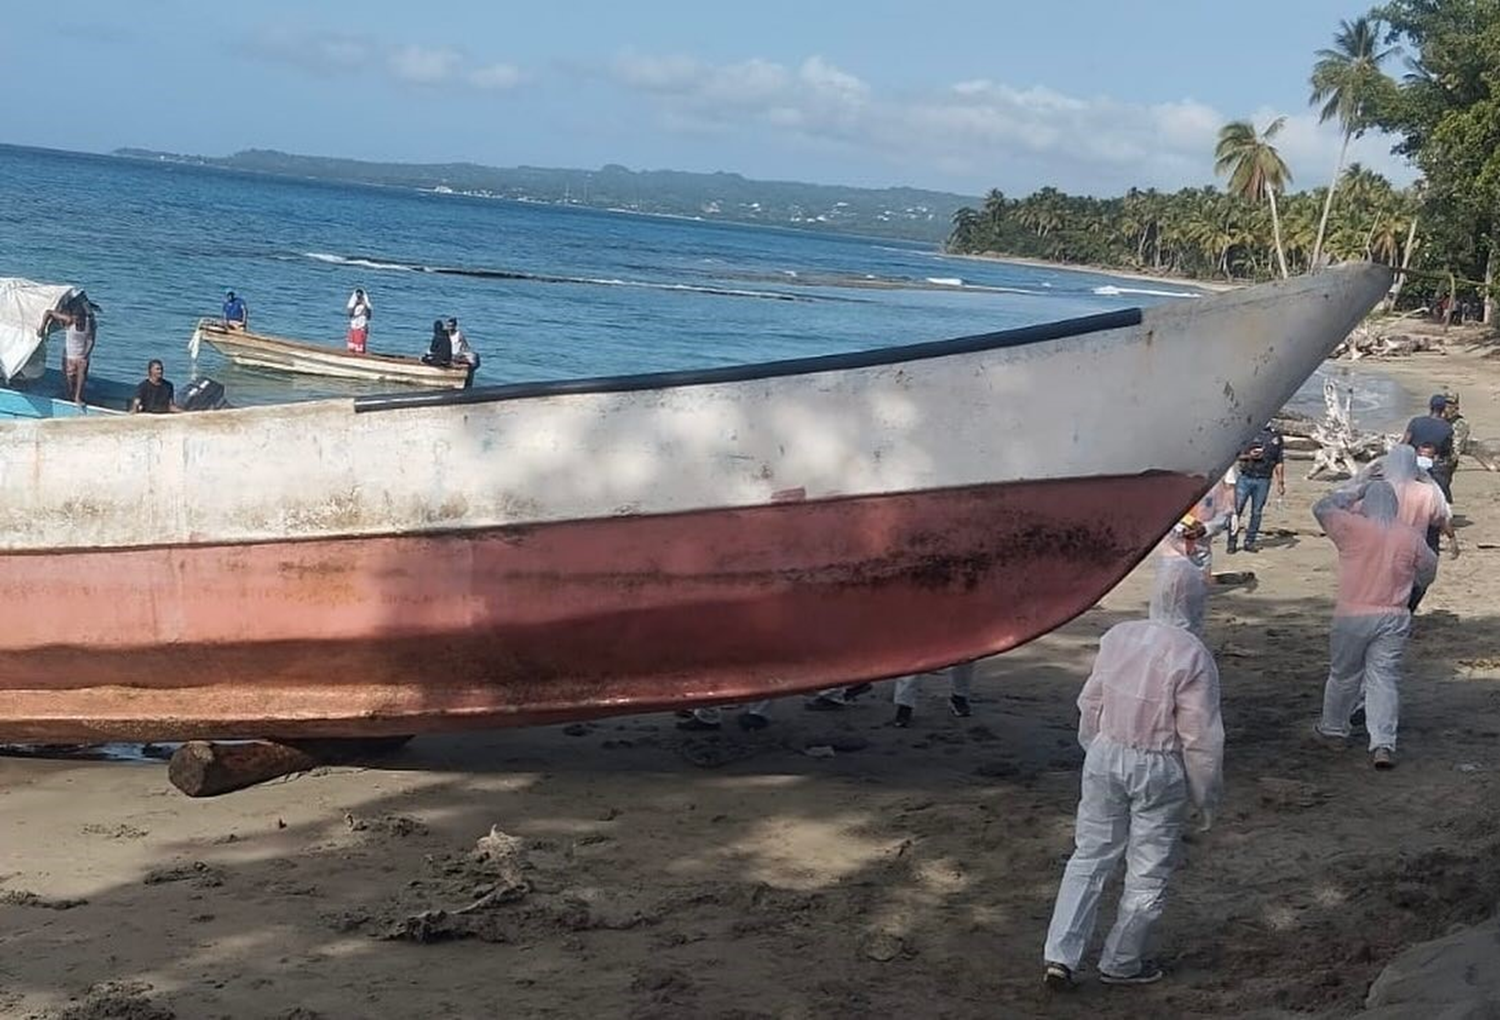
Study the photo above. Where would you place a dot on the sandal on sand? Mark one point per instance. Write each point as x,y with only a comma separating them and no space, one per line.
1148,974
1058,977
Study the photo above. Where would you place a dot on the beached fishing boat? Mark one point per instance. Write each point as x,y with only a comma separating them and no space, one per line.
531,553
257,350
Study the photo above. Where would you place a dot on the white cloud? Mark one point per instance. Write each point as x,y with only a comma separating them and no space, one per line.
347,54
495,76
424,65
977,132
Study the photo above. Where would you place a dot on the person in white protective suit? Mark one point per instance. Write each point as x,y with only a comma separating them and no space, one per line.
1420,502
960,683
1380,560
1184,562
1149,721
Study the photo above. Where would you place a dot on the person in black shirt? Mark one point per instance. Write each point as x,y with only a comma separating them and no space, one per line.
440,351
1432,435
154,395
1260,461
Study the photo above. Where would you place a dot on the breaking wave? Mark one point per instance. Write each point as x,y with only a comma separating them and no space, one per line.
591,281
340,260
1110,290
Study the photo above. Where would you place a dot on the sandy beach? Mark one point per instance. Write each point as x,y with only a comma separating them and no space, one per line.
627,869
1124,274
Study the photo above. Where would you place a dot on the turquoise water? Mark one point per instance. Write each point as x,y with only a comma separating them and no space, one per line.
543,292
576,291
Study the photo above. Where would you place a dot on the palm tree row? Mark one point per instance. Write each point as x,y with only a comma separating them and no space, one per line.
1252,230
1201,232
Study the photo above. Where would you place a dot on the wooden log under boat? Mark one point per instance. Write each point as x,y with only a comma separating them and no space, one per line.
257,350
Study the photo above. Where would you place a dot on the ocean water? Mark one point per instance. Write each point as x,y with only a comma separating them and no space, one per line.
542,292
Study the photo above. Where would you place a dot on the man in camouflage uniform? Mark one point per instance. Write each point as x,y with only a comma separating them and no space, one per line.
1460,434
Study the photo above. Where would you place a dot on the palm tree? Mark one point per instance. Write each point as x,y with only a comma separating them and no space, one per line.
966,223
1348,82
1256,170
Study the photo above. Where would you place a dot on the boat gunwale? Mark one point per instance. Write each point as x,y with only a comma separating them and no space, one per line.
1021,336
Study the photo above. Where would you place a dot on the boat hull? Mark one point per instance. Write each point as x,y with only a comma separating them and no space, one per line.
533,552
516,626
255,350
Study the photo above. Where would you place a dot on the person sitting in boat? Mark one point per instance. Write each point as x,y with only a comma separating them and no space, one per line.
236,314
78,346
359,309
463,354
440,351
155,394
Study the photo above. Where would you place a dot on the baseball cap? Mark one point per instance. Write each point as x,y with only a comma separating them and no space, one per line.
1438,402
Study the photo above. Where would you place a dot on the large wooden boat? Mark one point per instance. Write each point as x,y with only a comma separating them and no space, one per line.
531,553
257,350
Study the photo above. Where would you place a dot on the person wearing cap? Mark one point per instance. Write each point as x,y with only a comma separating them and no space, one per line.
1432,436
1260,463
1460,433
236,314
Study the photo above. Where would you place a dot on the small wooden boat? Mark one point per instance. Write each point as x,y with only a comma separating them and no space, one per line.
257,350
532,553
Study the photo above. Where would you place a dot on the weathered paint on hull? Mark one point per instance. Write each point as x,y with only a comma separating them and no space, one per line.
523,625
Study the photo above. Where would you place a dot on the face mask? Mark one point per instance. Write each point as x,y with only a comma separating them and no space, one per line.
1424,463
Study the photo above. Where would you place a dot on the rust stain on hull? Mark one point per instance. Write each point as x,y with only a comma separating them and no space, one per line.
512,627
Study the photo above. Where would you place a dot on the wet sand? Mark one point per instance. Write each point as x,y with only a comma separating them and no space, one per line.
638,871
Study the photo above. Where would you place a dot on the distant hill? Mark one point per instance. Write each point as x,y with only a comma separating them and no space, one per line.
909,213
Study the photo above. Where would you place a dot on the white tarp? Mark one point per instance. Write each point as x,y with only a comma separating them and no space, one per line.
22,304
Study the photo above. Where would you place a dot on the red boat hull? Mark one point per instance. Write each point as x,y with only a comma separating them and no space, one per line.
523,625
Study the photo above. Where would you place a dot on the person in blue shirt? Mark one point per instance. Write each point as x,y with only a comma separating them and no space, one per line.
235,312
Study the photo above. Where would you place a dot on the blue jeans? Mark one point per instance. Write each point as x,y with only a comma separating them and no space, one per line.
1255,491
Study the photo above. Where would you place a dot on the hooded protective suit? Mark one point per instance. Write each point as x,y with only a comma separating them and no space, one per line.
1380,559
1184,563
1154,738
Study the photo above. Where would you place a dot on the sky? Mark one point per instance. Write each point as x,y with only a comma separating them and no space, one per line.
1090,96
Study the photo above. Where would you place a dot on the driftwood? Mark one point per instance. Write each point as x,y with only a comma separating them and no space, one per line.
1333,444
203,768
1365,342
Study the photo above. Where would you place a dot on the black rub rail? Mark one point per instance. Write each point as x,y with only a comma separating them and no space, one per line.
763,370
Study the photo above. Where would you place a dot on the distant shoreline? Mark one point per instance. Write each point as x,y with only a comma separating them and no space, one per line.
1123,274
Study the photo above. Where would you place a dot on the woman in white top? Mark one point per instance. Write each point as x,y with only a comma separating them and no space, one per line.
78,346
359,309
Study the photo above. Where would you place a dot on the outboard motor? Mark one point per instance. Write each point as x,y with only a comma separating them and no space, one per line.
202,395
